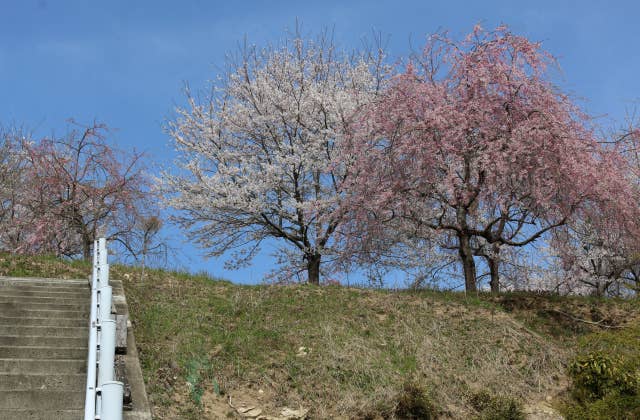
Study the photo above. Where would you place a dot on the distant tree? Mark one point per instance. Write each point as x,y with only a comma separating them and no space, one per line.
149,229
597,254
595,260
628,141
259,156
15,218
144,242
474,145
80,188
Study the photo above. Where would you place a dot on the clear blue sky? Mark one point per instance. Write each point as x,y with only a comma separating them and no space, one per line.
124,63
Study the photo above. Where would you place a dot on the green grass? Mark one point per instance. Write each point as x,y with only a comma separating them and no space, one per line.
351,352
42,266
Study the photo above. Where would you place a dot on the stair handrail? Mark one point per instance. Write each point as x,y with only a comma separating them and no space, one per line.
103,399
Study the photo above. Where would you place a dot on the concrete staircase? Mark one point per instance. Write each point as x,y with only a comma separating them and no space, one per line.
43,348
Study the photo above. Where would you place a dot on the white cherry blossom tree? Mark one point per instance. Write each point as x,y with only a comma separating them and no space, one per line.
258,155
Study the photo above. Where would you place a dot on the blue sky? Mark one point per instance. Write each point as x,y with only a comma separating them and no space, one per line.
125,63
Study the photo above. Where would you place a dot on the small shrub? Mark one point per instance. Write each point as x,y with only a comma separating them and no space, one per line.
413,402
596,375
496,407
194,379
603,387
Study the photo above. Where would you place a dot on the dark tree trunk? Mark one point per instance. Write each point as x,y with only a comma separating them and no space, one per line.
313,268
468,264
86,250
493,261
601,288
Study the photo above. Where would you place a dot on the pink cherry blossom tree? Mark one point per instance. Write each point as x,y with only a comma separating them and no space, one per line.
259,157
80,187
473,144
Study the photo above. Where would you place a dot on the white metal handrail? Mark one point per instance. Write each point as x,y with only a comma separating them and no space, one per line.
103,393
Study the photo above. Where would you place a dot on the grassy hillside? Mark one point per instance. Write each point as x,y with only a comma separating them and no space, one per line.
209,348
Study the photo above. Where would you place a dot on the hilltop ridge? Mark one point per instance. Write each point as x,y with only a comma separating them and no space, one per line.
211,349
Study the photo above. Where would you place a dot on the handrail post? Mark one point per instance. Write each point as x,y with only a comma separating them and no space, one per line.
103,275
94,269
104,295
107,351
112,394
102,246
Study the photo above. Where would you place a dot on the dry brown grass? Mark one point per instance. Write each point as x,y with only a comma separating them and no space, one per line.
362,346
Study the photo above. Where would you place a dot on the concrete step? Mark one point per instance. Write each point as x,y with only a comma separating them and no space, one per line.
43,313
28,300
34,281
47,293
42,322
32,366
42,400
40,341
7,304
44,288
42,352
23,382
22,414
44,331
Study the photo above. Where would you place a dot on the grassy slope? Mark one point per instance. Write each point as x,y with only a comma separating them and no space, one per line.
345,352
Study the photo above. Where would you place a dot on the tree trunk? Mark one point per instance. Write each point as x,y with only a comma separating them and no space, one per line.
313,268
495,278
86,250
144,255
468,264
600,289
493,261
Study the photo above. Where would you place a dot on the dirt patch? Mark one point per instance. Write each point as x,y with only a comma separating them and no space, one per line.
542,411
255,404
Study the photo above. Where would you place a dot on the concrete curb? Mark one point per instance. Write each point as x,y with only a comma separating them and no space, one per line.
141,408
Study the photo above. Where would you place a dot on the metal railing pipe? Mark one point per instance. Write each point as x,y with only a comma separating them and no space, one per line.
90,397
103,395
